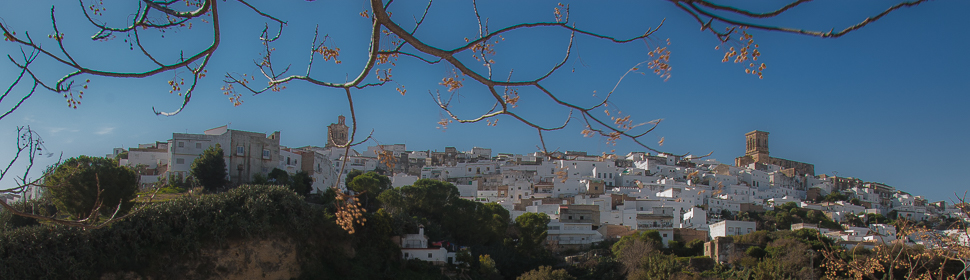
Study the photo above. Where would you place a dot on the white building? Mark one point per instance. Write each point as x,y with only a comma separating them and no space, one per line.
572,234
729,228
149,160
401,179
695,218
415,246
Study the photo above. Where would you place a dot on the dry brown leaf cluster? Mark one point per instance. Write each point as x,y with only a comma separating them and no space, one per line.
349,212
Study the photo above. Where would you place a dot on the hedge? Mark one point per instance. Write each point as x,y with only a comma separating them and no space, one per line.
153,240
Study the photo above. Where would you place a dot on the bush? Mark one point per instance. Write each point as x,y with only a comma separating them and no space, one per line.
79,183
546,273
150,241
175,183
756,252
9,221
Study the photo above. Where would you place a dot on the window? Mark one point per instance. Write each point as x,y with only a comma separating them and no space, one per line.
405,255
240,150
287,160
181,144
581,217
180,161
570,217
429,255
665,235
198,145
266,155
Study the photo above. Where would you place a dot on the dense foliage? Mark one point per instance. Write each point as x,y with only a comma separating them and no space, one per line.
546,273
210,168
42,207
369,185
175,183
300,182
783,216
80,184
162,240
155,239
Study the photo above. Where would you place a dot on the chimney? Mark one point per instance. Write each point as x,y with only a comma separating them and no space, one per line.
420,230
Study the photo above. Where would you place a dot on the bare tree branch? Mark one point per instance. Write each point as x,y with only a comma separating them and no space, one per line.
609,123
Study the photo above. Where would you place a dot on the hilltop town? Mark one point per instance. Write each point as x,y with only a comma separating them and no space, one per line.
588,198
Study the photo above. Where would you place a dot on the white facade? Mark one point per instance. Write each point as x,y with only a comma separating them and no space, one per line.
729,228
551,210
695,218
415,246
481,152
572,233
184,148
289,161
401,179
150,157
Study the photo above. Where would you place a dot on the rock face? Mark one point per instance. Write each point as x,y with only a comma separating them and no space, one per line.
272,258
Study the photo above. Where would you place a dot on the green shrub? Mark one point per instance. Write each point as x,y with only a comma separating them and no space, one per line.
171,190
9,221
78,184
150,241
210,169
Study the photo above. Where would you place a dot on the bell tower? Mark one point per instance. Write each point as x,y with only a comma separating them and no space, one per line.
757,145
337,133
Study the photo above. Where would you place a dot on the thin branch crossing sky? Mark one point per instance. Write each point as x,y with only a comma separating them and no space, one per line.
886,103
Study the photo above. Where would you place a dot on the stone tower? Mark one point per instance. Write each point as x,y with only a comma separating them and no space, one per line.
337,133
756,151
757,144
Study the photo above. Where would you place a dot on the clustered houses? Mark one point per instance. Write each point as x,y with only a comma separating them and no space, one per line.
589,198
246,154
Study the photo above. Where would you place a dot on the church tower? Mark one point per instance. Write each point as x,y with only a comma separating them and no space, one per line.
756,149
337,133
757,144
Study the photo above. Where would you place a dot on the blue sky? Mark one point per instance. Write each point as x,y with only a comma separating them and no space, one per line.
885,103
